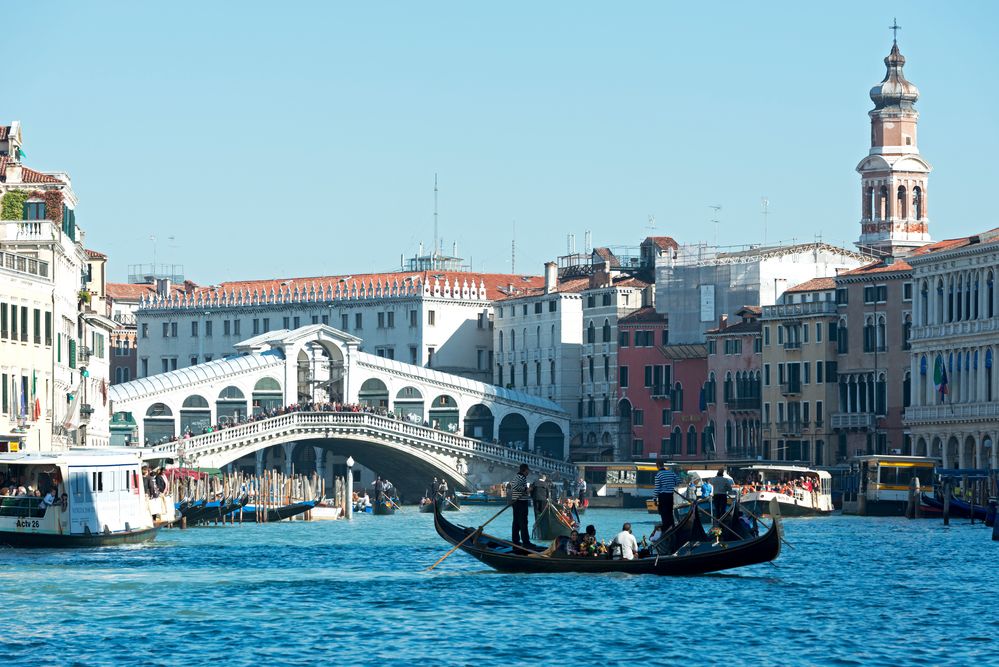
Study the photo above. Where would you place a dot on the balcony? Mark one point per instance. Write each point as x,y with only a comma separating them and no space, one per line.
791,427
811,308
21,264
790,388
16,231
933,332
743,403
952,412
854,421
792,345
660,392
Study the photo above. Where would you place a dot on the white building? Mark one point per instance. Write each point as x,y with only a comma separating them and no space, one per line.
436,319
698,284
560,341
954,407
45,333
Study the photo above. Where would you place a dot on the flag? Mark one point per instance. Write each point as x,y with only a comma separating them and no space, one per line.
940,376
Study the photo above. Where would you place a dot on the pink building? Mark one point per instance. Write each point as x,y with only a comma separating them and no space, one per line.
735,360
662,390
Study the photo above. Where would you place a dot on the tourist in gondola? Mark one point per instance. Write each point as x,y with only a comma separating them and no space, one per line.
626,546
666,479
518,498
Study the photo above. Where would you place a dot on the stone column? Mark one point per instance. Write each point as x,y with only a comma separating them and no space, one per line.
259,455
288,449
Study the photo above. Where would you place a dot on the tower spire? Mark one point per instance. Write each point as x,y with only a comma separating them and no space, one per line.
894,27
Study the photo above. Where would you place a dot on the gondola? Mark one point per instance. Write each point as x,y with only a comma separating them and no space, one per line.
553,522
384,506
248,513
692,557
427,507
958,508
450,504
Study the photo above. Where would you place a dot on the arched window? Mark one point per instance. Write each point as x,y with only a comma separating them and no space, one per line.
677,397
538,342
884,203
902,205
924,303
537,373
523,373
975,299
607,408
988,375
675,440
551,370
960,299
607,331
727,387
869,333
868,203
691,440
513,341
940,302
907,331
990,295
842,339
500,341
917,202
907,389
880,396
591,333
881,334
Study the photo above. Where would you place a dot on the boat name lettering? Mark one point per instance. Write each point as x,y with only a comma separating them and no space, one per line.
26,523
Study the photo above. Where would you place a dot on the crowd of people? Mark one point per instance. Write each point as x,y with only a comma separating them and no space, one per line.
787,487
45,488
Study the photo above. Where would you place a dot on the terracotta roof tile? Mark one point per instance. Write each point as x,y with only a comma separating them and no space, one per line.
879,267
93,254
134,292
739,328
4,132
663,242
814,285
646,314
32,176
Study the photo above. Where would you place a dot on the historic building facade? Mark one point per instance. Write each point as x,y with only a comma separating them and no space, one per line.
735,369
954,411
799,373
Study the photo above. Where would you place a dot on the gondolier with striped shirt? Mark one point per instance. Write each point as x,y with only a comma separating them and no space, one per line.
666,480
519,499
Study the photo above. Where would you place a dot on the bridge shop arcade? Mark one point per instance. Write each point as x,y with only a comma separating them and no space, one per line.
411,422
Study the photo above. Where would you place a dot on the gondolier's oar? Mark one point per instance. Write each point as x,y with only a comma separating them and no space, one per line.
743,509
452,503
477,531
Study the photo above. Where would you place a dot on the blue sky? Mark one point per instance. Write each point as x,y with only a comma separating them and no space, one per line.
293,139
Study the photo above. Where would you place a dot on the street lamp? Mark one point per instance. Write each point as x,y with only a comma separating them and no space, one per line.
349,498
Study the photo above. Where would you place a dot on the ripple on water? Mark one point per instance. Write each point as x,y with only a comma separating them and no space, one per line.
852,591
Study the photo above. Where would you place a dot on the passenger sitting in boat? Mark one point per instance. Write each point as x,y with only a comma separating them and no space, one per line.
48,500
657,532
625,545
571,544
588,544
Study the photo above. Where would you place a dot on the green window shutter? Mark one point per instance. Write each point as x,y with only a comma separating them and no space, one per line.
4,404
72,353
59,348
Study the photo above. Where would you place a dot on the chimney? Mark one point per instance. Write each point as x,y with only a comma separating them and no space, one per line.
723,321
163,286
551,277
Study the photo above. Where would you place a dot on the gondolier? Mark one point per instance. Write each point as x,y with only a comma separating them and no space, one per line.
519,501
666,480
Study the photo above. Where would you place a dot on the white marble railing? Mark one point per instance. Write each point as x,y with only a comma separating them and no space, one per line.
331,422
949,412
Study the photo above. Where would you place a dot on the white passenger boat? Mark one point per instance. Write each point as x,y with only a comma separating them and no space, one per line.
778,483
88,497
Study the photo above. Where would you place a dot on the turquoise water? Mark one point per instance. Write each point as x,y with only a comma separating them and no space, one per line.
851,591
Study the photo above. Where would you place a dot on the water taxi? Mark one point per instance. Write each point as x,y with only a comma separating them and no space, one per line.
77,498
879,485
799,491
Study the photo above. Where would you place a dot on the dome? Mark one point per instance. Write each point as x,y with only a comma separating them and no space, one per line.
894,90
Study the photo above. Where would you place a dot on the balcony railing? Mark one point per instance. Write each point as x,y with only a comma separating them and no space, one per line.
795,427
951,412
743,403
792,345
854,420
780,311
789,388
22,264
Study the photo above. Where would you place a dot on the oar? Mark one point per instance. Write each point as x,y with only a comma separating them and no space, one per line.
475,532
452,503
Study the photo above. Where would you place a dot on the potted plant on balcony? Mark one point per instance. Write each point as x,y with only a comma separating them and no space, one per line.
82,298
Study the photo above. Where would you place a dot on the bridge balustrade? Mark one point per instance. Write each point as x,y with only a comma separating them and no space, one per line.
236,436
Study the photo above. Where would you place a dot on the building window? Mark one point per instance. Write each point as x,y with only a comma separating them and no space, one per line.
34,210
235,327
622,376
344,322
208,328
766,335
358,321
390,317
638,417
842,296
413,359
166,329
381,321
267,324
430,356
194,329
286,322
623,338
256,326
431,317
194,361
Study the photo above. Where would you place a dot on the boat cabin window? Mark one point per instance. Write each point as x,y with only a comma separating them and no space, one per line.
899,476
22,487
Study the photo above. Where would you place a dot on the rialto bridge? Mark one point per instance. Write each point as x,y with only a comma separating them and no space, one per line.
271,405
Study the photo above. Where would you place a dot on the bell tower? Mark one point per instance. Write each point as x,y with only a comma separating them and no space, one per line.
894,175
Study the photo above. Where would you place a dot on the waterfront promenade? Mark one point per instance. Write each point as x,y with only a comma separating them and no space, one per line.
851,591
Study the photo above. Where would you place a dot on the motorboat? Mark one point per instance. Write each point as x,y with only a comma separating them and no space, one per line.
798,490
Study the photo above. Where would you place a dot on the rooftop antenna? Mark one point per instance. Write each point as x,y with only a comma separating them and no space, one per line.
652,224
894,27
153,239
513,249
588,241
433,254
765,203
715,220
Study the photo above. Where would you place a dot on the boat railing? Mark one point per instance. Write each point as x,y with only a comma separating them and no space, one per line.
320,421
24,507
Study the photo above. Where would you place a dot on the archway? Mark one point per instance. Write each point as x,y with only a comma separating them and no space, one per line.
480,423
230,406
549,440
303,459
967,459
921,448
267,396
953,454
373,394
195,415
158,424
408,405
444,413
513,431
936,449
320,372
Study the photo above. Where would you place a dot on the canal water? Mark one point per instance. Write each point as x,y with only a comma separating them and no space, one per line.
851,591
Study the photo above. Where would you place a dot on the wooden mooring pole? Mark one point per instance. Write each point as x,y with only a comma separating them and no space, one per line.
946,501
